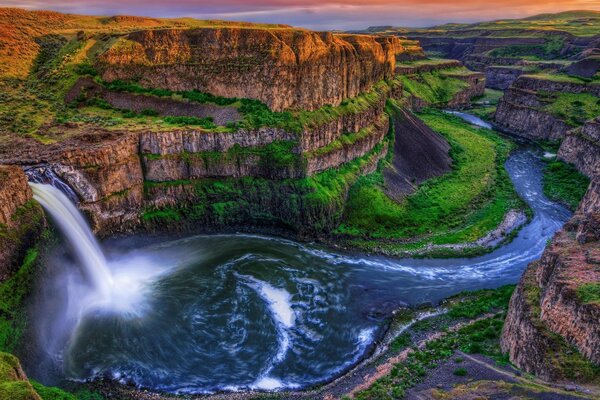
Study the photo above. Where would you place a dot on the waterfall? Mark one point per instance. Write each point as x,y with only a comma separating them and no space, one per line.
77,232
44,174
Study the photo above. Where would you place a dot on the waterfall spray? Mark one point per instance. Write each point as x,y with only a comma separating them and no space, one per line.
78,233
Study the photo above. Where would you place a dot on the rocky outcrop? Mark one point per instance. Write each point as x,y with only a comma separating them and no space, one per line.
21,220
586,68
501,77
348,148
521,109
102,167
475,43
547,312
408,69
475,87
581,148
419,154
528,122
284,68
86,88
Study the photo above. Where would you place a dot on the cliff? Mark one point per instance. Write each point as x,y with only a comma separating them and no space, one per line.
283,68
552,328
530,107
581,147
21,219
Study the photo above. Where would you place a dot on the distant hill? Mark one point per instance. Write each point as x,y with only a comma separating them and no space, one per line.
576,22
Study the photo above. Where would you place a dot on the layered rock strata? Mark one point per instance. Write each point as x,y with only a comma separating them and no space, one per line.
581,147
547,314
283,68
521,109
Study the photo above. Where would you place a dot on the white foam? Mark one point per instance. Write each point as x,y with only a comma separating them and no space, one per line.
268,383
280,305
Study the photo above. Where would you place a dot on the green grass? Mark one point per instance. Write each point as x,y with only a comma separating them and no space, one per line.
564,183
559,77
573,108
549,50
435,88
589,293
481,337
460,206
473,304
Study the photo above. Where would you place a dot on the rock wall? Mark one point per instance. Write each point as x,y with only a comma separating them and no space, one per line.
520,110
284,68
475,88
547,314
478,42
501,77
21,220
344,152
581,147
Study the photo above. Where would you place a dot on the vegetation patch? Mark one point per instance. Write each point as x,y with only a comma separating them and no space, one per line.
311,204
564,183
458,207
573,108
436,87
589,293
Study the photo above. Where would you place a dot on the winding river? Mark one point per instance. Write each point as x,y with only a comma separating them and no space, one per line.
235,312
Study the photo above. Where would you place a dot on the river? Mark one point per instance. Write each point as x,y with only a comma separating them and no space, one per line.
237,312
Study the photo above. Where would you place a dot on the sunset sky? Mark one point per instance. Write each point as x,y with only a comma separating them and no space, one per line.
319,14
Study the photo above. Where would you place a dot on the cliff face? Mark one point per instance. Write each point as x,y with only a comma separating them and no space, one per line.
21,220
549,312
501,77
581,147
521,109
283,68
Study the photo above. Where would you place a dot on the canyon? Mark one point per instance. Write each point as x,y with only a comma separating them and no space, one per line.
161,129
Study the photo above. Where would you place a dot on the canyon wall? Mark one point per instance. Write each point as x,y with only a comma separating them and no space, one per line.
552,327
581,147
21,219
283,68
523,108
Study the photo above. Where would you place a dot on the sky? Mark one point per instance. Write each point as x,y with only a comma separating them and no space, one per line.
318,14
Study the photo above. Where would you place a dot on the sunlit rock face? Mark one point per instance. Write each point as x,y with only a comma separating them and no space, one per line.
284,68
20,219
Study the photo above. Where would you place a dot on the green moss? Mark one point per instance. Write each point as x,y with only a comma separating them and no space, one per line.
460,206
435,88
311,204
473,304
564,183
589,293
12,293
